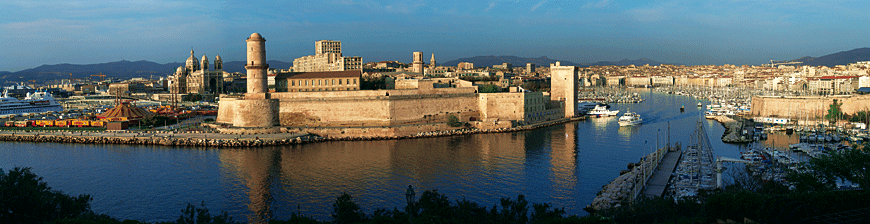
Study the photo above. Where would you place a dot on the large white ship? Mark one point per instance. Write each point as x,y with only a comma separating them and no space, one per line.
37,102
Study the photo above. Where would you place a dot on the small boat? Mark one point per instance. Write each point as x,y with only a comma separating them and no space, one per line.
699,104
682,108
629,118
602,111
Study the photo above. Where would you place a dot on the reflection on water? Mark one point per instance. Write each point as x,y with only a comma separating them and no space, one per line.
625,132
564,165
600,123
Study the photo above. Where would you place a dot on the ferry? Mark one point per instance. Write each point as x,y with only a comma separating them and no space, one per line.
629,118
37,102
602,111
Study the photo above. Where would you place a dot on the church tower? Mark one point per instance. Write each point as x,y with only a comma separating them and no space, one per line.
432,61
256,64
204,62
218,64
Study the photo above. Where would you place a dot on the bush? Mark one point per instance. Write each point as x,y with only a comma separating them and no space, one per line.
453,121
25,198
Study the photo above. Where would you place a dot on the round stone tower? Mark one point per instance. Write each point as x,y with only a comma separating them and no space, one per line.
256,64
256,110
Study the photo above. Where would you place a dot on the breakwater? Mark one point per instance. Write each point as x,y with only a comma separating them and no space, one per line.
208,139
733,129
158,140
629,184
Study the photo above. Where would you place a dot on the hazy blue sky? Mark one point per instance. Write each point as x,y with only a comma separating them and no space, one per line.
33,33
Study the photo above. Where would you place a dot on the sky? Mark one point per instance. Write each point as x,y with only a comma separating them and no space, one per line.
33,33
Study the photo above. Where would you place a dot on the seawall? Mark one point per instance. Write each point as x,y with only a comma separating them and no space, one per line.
248,138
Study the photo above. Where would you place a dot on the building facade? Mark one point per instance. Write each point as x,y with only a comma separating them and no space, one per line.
327,57
318,81
195,77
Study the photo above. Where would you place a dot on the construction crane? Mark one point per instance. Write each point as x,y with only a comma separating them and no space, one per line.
101,76
772,64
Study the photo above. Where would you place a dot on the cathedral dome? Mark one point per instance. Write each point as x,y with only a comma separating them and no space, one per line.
256,36
179,70
191,62
217,58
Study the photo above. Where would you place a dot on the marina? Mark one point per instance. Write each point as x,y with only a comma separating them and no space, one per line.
564,165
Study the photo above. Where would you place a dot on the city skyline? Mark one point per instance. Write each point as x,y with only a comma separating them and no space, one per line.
686,32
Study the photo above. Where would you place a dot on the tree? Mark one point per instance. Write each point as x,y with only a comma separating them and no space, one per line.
834,111
25,198
453,121
487,88
824,171
344,210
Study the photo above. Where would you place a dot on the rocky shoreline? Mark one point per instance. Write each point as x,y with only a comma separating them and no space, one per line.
159,140
621,189
206,139
733,130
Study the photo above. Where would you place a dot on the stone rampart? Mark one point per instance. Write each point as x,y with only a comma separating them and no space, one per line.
815,107
256,113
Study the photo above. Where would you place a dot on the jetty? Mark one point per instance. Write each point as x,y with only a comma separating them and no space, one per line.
658,181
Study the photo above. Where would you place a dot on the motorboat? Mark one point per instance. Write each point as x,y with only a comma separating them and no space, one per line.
602,111
629,118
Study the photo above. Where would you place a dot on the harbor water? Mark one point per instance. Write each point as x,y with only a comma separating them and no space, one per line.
564,165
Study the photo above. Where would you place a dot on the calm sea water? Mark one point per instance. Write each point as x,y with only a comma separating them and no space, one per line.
564,165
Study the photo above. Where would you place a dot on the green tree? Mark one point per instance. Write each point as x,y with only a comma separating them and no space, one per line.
824,171
344,210
487,88
453,121
192,215
25,198
834,112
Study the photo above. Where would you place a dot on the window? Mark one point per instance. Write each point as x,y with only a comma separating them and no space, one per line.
339,81
354,81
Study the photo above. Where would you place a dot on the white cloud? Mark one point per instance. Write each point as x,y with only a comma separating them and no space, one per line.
491,5
536,6
598,4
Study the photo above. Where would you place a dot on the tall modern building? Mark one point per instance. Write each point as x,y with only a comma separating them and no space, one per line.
327,57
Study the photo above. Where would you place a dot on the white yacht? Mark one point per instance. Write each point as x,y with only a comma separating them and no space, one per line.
629,118
37,102
602,111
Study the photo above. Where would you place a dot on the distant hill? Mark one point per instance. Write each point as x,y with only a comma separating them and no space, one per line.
119,69
839,58
489,61
624,62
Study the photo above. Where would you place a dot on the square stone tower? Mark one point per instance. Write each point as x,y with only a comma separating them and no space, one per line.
563,87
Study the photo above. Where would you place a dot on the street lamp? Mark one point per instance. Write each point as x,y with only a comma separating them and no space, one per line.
409,197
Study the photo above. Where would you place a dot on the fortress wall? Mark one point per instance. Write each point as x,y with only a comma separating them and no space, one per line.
504,106
334,112
377,132
226,110
256,113
814,107
432,108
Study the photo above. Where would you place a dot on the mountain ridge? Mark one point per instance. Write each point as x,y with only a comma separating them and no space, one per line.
490,60
839,58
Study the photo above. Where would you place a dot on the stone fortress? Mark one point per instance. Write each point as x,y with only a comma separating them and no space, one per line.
423,108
